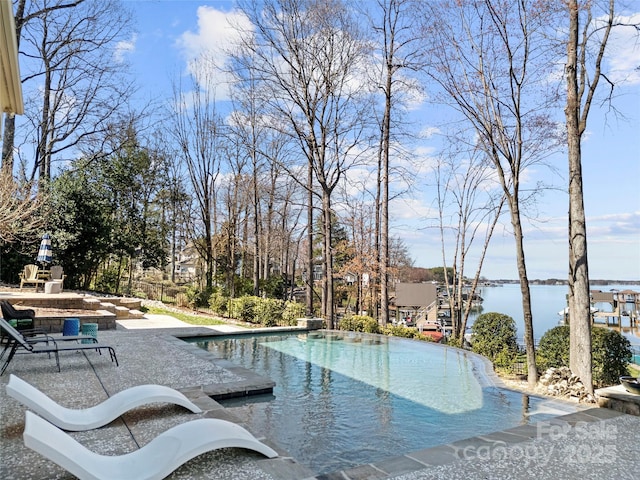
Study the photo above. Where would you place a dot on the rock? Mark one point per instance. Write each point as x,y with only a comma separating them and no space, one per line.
561,382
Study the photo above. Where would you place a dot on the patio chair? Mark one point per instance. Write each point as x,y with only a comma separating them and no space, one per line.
29,275
9,312
38,335
156,460
57,275
16,341
98,415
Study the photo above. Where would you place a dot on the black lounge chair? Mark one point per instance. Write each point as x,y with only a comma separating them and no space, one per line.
9,312
38,335
51,345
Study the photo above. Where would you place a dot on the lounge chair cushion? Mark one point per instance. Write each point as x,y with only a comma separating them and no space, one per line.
9,312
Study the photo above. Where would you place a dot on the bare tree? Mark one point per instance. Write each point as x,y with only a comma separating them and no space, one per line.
287,211
483,57
586,35
264,148
306,54
360,253
10,121
397,54
197,129
277,190
240,201
246,131
21,212
71,59
176,203
469,208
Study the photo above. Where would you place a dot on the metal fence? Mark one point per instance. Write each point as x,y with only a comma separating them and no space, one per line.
159,291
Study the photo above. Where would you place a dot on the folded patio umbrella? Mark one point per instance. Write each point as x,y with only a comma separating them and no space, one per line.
44,254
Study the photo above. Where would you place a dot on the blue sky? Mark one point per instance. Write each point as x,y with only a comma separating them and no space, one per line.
170,33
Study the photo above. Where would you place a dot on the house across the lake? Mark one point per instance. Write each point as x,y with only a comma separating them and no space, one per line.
415,303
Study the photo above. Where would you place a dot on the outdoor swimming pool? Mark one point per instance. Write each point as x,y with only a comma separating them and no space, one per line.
345,399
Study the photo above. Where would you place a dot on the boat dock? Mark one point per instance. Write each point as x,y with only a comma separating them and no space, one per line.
624,304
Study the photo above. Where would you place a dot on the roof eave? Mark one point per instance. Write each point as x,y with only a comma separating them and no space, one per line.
10,87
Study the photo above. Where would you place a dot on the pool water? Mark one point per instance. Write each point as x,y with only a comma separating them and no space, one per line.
345,399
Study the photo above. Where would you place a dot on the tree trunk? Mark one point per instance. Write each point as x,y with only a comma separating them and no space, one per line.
579,302
309,242
384,220
256,230
529,344
7,142
328,261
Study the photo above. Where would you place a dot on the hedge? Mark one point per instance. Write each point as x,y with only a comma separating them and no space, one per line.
611,353
494,336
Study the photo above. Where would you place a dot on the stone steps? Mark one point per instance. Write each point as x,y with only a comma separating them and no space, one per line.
91,303
130,303
122,312
108,306
136,314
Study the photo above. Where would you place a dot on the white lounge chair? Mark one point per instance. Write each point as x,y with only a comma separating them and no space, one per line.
96,416
155,460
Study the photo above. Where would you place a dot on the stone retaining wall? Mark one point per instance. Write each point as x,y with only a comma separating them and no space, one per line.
617,398
101,310
54,324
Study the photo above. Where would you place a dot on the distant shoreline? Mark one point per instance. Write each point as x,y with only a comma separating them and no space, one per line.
557,281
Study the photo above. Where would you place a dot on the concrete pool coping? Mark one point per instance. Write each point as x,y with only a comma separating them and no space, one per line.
157,355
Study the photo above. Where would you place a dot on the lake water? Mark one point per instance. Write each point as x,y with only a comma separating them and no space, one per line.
546,302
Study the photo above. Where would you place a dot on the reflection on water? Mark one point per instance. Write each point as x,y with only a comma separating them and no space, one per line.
347,400
632,333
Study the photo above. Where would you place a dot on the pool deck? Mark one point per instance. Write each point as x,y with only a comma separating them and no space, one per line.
594,443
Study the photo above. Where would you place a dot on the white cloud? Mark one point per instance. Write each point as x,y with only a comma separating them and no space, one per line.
125,46
206,50
429,131
623,52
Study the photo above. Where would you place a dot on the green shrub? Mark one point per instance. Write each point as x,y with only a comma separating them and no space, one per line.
404,332
264,311
454,342
268,311
242,286
611,353
359,323
219,303
197,297
611,356
553,349
191,294
242,308
292,312
494,336
139,294
107,280
274,286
